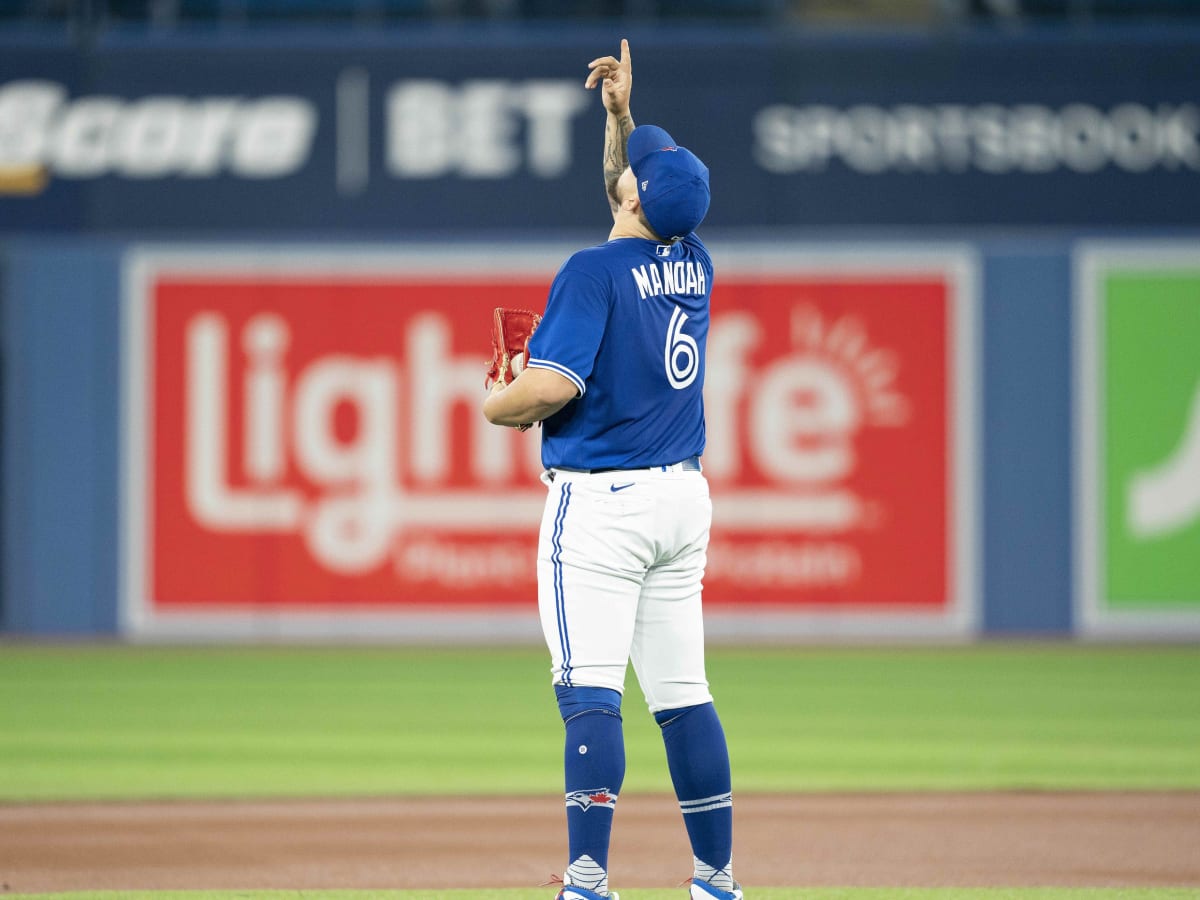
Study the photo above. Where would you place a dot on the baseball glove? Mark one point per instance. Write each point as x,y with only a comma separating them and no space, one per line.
511,331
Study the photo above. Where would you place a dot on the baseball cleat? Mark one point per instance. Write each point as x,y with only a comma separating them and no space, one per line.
573,892
702,890
570,892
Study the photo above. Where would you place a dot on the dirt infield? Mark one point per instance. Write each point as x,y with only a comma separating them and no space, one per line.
1004,839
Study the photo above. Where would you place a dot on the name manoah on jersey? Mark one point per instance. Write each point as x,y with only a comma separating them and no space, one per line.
627,323
682,276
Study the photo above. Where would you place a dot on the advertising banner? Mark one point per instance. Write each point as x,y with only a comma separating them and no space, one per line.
1139,439
400,136
305,452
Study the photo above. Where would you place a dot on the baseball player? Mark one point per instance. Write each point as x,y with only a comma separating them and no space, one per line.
615,373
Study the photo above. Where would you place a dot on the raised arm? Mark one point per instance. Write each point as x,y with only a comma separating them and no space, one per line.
616,79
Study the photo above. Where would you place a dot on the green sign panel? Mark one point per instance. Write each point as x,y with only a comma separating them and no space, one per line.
1148,425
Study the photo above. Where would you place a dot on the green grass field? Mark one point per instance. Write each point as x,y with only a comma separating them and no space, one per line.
120,722
111,722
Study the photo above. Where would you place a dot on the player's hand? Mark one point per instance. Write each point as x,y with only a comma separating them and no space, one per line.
616,78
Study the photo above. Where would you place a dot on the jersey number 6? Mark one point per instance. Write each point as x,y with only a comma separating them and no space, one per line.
682,356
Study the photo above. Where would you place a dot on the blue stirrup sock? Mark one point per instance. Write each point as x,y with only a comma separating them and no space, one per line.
594,768
698,759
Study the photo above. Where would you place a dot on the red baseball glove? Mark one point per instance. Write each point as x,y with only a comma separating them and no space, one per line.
511,331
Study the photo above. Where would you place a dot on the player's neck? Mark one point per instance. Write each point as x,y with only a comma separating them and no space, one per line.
631,229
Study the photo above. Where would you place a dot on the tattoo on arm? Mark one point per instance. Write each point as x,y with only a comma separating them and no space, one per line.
616,135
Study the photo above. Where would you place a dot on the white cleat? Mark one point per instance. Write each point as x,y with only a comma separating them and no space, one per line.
702,890
572,892
578,893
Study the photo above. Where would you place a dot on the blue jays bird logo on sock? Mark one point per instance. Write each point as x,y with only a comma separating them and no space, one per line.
585,800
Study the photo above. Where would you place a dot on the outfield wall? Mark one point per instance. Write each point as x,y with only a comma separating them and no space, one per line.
245,282
905,439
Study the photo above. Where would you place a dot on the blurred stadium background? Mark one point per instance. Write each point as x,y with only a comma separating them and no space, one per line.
869,13
248,249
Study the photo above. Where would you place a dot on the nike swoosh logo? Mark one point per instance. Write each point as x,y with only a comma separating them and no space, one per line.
620,487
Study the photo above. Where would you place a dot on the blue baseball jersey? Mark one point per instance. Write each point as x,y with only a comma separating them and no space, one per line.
627,322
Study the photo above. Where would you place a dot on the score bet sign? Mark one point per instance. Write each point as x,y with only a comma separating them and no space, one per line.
305,454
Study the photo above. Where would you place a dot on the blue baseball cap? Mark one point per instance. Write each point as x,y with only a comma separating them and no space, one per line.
672,183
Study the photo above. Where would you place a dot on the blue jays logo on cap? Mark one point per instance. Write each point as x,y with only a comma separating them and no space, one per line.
672,182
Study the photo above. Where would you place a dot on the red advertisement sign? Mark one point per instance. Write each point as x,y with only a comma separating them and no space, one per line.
308,438
829,442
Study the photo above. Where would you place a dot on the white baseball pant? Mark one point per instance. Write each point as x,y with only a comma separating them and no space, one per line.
621,555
